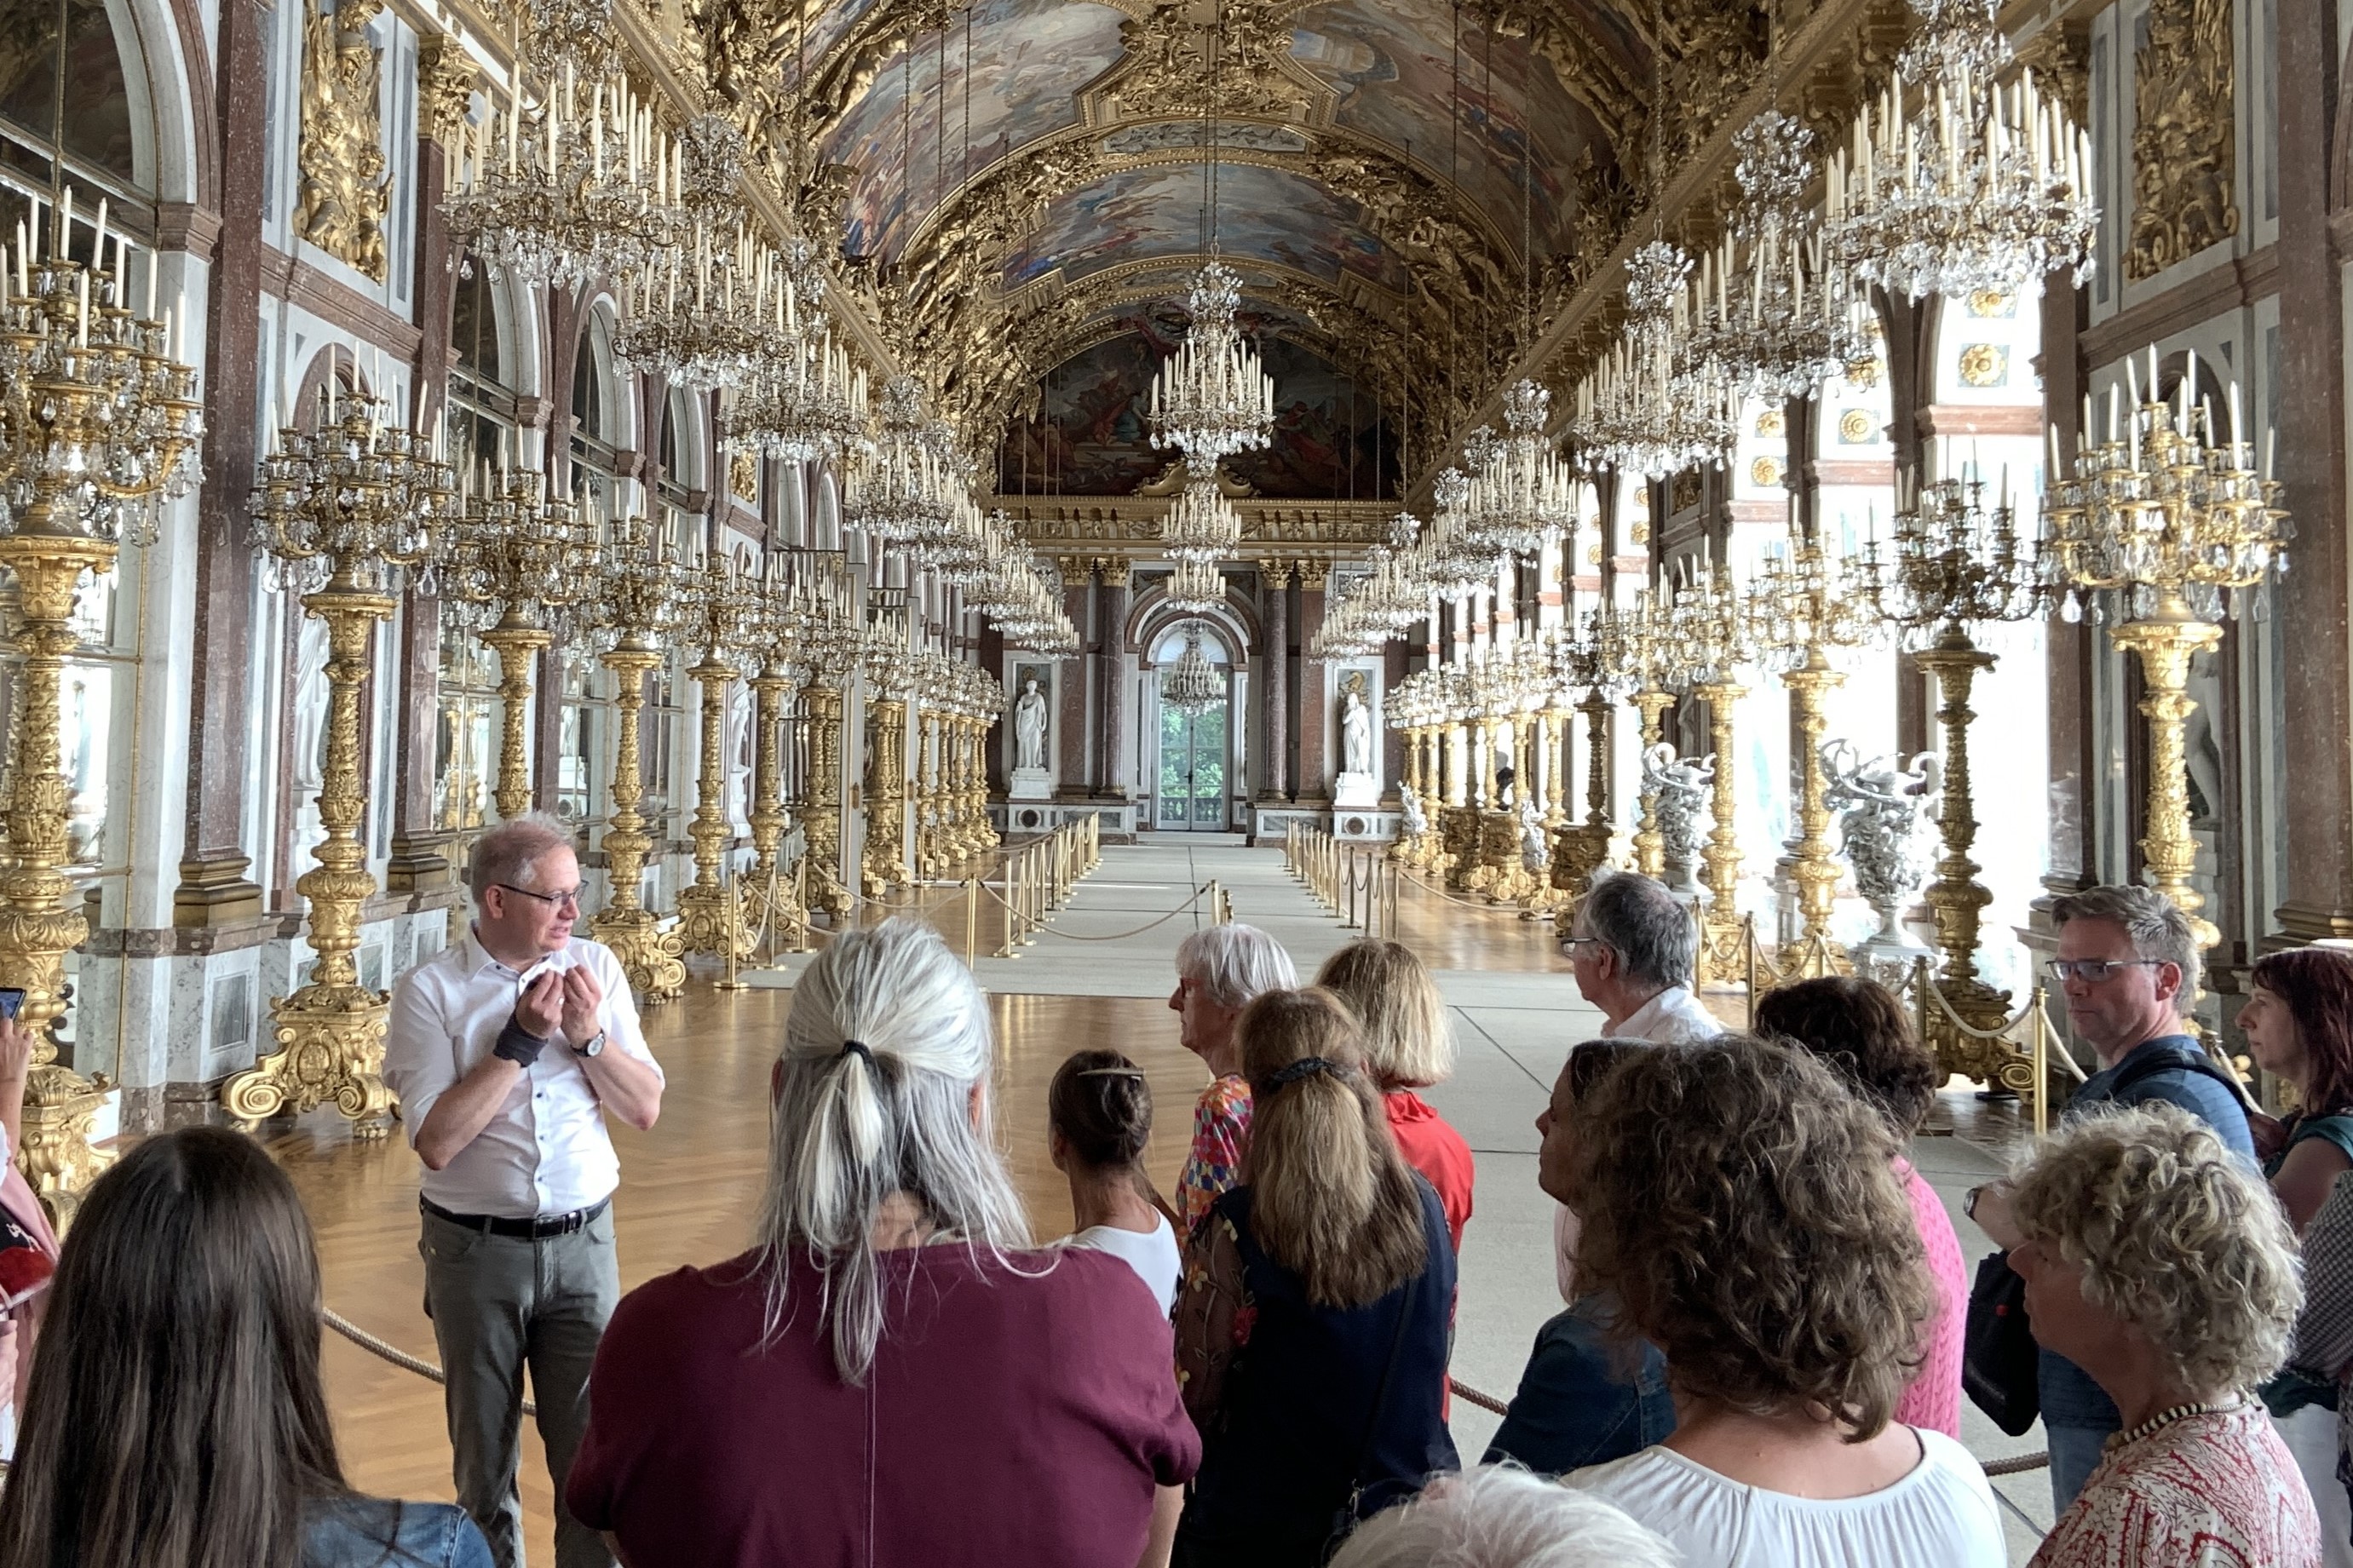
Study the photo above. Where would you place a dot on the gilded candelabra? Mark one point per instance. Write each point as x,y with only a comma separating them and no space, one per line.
98,419
1957,563
636,605
1804,606
773,903
888,670
1709,628
343,507
716,614
2168,520
1635,651
521,563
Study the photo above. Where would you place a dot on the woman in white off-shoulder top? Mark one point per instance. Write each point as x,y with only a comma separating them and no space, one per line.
1741,1203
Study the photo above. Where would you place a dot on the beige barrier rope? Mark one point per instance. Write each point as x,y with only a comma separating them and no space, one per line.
394,1353
1115,936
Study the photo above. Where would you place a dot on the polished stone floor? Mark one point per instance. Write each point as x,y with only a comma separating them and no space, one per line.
1099,973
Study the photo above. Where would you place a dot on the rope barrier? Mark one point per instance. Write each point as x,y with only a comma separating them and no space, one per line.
1427,887
1046,930
400,1358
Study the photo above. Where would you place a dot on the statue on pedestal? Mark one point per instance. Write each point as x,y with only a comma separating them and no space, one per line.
1882,804
1680,787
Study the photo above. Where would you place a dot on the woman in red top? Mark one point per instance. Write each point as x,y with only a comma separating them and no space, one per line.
1409,1046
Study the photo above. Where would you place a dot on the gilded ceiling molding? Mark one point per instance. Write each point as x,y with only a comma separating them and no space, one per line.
2185,156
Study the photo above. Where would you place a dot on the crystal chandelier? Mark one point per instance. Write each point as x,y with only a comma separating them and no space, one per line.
703,315
2164,516
1196,585
1202,524
1982,188
1212,398
1457,563
1645,410
1796,321
1023,595
577,187
805,404
1192,685
1957,561
98,417
1521,496
900,491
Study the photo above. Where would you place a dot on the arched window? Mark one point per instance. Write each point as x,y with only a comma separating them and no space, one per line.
65,110
481,397
481,426
585,733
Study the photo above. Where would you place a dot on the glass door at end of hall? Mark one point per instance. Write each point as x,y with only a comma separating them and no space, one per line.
1192,769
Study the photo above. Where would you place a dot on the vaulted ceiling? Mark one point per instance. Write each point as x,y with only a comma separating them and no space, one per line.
1026,176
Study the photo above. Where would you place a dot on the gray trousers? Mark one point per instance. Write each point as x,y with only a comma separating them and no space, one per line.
499,1304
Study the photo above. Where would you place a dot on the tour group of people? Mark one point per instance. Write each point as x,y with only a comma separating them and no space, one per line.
1766,1327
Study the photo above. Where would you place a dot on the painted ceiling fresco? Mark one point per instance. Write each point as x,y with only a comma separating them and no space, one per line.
1088,436
1394,64
1029,58
1267,215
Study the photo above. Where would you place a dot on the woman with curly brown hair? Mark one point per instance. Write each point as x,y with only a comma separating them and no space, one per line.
1743,1205
1859,1029
1312,1321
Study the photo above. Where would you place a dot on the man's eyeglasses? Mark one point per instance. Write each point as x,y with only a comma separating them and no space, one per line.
554,901
2094,971
1569,944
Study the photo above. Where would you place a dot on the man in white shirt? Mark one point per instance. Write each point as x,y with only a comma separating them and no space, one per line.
507,1050
1633,948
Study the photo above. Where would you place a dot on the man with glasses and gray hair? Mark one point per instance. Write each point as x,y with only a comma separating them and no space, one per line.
508,1050
1634,948
2128,966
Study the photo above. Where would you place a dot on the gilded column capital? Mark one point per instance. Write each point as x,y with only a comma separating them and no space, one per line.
1315,575
1276,572
446,75
1116,571
1076,570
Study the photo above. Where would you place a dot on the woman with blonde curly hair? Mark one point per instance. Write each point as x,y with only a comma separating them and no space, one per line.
2158,1262
1743,1205
1312,1321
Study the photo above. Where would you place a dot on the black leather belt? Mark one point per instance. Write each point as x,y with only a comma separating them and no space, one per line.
536,1229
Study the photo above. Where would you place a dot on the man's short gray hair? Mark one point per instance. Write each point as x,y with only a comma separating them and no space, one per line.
1636,918
510,852
2155,925
1234,962
1500,1516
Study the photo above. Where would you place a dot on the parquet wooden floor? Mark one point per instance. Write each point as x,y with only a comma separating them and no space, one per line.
688,1188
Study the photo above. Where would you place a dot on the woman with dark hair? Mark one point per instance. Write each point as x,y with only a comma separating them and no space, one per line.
1861,1032
1098,1124
2298,1021
1743,1205
174,1418
1311,1324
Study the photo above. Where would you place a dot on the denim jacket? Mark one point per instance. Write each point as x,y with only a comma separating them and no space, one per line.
377,1533
1584,1398
2069,1396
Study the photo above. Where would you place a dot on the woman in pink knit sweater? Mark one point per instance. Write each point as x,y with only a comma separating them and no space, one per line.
1861,1032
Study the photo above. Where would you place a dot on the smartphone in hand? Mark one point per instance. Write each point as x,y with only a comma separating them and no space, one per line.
12,998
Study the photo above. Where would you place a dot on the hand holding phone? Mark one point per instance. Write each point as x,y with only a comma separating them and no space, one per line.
12,1000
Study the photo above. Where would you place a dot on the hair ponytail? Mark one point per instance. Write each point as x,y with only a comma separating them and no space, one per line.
1331,1199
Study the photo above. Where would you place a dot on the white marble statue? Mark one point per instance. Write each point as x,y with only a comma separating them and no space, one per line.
1882,804
1030,727
1535,851
1416,820
1679,788
1356,734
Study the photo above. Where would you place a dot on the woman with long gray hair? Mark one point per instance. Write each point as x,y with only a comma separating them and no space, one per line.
892,1375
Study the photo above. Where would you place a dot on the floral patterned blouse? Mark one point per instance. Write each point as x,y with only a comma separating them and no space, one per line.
1221,1133
2207,1491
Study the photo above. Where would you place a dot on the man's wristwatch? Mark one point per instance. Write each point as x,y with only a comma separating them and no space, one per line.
595,1047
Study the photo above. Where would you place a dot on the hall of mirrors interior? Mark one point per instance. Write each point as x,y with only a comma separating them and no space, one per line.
1842,458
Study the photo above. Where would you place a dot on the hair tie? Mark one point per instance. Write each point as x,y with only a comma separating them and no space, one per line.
1111,1072
857,1048
1305,1066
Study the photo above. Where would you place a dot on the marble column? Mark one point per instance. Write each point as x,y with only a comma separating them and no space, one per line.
214,888
1274,618
1077,587
2311,599
1911,326
2073,794
1314,577
1111,676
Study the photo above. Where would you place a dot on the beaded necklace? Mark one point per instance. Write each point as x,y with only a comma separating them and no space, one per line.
2166,1417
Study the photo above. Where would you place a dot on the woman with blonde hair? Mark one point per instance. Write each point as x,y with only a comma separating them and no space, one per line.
1312,1323
2159,1263
1743,1205
1408,1045
892,1375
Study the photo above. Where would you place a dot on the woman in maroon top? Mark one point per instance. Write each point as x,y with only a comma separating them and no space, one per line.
892,1376
1409,1046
